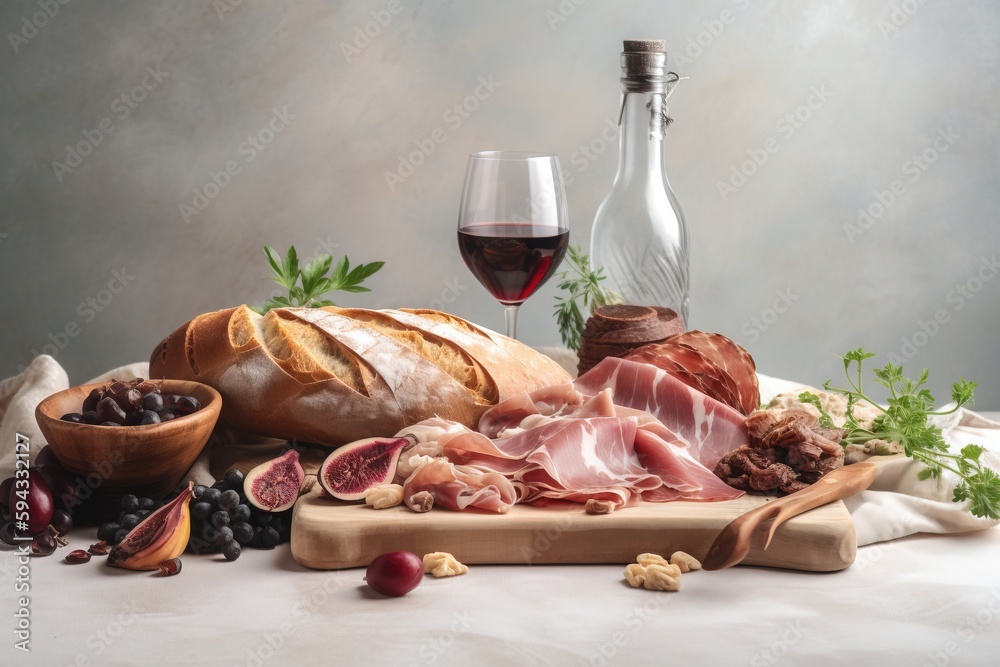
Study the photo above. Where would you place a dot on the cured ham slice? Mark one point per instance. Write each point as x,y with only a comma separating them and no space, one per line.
707,427
425,435
457,487
710,363
660,453
693,369
545,406
624,431
605,458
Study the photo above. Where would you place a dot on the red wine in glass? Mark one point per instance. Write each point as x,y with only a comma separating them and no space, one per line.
513,224
512,259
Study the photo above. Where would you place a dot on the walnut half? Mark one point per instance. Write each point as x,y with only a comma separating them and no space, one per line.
685,561
384,495
654,577
595,506
421,501
443,564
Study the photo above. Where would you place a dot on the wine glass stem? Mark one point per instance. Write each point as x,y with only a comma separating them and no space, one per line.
510,315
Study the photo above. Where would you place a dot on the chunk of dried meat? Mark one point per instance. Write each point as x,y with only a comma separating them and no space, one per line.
788,451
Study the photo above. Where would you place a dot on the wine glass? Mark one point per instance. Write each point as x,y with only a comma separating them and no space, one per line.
513,227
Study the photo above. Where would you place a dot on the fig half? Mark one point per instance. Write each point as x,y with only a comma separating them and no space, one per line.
274,486
161,535
352,470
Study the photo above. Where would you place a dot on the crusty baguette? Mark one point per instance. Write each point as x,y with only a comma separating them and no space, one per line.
334,375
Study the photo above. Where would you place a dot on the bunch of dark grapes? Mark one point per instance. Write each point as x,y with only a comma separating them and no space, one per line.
133,510
223,520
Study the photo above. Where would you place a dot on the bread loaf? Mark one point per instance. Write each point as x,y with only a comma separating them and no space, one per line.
334,375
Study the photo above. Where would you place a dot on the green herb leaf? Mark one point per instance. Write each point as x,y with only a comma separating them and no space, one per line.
825,420
314,271
906,420
581,283
306,284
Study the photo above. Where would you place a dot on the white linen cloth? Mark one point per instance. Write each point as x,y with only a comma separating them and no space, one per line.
897,504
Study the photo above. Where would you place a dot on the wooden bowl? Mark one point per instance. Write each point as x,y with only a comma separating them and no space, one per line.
112,461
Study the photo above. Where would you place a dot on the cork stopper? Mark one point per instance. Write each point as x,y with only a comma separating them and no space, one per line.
642,58
644,46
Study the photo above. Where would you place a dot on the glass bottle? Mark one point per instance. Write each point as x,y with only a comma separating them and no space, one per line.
639,236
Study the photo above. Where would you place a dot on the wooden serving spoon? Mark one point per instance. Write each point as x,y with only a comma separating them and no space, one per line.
733,543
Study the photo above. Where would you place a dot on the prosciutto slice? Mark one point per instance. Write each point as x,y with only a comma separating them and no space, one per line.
710,363
545,406
708,428
661,453
579,458
624,431
458,487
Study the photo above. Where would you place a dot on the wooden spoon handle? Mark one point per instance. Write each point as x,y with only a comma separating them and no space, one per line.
841,483
733,543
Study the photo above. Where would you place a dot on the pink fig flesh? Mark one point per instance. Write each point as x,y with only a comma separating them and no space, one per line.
352,470
395,573
274,486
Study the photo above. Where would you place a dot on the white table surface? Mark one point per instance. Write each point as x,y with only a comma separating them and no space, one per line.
922,600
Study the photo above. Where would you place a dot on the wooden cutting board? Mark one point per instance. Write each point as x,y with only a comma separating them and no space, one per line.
329,534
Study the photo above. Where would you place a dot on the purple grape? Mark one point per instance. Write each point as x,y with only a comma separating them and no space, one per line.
153,401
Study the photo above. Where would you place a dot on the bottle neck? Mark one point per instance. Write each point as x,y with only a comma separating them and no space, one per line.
641,147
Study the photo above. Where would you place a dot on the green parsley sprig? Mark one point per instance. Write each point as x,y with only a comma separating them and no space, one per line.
584,284
825,420
307,284
906,420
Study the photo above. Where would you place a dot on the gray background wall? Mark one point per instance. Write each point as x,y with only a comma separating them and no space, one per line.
891,74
